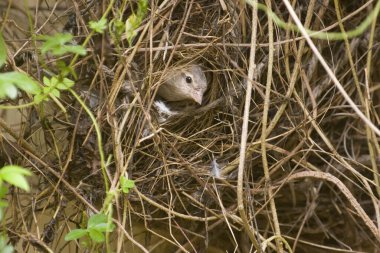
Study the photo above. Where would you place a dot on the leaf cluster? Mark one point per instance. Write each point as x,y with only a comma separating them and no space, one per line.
97,225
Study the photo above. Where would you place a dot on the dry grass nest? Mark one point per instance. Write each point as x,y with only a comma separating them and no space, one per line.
313,179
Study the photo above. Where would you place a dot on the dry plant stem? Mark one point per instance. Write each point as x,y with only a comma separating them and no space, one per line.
373,144
225,214
272,204
294,75
323,248
174,213
328,70
371,137
287,49
345,95
338,157
242,18
243,144
326,140
332,179
314,169
349,55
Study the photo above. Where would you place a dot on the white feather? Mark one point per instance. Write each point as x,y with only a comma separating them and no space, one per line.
215,169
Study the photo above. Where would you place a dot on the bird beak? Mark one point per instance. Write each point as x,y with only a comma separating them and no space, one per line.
197,97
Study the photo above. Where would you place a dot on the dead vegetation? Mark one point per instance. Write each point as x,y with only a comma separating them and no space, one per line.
310,173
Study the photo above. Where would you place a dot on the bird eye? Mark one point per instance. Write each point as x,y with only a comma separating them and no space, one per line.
189,79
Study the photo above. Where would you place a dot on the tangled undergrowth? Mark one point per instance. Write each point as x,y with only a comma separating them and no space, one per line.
309,181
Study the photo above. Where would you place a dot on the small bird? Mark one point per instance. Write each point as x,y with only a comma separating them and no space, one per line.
188,83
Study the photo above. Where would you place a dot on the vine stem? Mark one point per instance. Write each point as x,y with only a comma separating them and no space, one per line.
99,135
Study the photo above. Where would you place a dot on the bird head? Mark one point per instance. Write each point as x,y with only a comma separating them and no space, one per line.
187,83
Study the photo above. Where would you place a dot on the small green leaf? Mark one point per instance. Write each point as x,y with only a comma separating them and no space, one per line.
15,169
15,175
65,84
54,42
96,236
97,219
104,227
126,184
60,44
55,93
117,28
3,51
75,234
130,27
52,82
135,20
75,49
46,89
17,180
98,26
46,81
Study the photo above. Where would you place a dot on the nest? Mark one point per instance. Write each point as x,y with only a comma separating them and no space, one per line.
312,179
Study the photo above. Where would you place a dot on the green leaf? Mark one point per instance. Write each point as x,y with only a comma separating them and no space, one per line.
52,87
134,20
117,28
126,184
98,26
58,44
65,84
15,169
10,81
75,49
96,236
54,42
130,27
97,219
15,175
3,51
104,227
75,234
142,8
46,89
55,92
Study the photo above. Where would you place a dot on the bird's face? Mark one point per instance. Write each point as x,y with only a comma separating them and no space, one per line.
189,83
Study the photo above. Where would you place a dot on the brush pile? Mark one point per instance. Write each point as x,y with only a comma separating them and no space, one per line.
310,179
